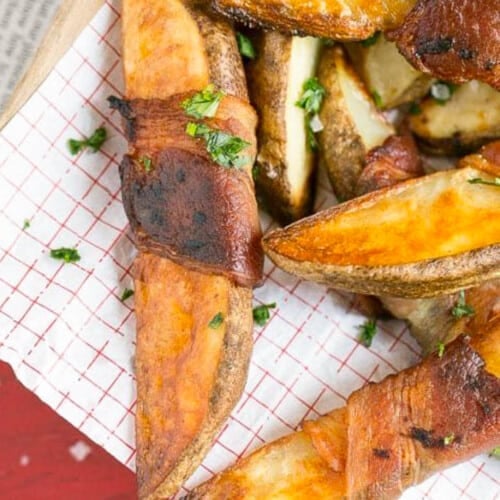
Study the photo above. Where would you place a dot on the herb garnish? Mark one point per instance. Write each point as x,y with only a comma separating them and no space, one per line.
261,313
127,293
372,40
447,440
94,142
440,349
311,100
203,104
461,308
216,321
478,180
495,452
146,162
368,330
69,255
441,92
415,109
377,99
223,148
245,46
26,224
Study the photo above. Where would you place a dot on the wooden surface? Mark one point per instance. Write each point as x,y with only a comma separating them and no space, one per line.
71,18
35,461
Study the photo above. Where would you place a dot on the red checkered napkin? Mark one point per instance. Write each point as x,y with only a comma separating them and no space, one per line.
71,340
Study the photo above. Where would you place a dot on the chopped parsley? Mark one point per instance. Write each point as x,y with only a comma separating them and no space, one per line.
368,330
69,255
224,149
127,293
478,180
94,142
245,46
415,109
26,224
461,308
146,163
216,321
441,92
440,349
377,99
203,104
261,313
495,452
372,40
255,171
311,100
447,440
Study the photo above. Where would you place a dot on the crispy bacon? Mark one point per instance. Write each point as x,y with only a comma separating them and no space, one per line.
397,160
185,207
420,421
455,40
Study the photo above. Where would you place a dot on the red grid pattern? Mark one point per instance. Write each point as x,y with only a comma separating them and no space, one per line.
71,340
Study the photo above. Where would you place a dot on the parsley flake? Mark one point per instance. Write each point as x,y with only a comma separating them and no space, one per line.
203,104
440,349
447,440
377,99
312,97
245,46
26,224
461,308
146,162
223,148
94,142
478,180
68,255
495,452
261,313
311,100
415,109
216,321
127,293
368,330
372,40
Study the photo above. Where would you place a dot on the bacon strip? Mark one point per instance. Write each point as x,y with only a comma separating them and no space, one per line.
187,208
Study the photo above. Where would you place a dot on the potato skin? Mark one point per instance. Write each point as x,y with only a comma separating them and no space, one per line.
267,80
327,19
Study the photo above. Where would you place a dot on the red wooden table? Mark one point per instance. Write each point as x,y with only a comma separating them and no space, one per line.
42,457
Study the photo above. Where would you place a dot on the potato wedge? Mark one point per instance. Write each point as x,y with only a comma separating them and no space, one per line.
468,120
336,19
390,436
285,162
352,124
189,374
416,239
385,71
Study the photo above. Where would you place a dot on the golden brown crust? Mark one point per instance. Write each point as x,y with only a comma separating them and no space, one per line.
189,374
455,40
351,20
391,255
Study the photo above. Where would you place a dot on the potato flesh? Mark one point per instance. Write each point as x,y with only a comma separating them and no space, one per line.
385,71
431,217
299,157
373,129
474,108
